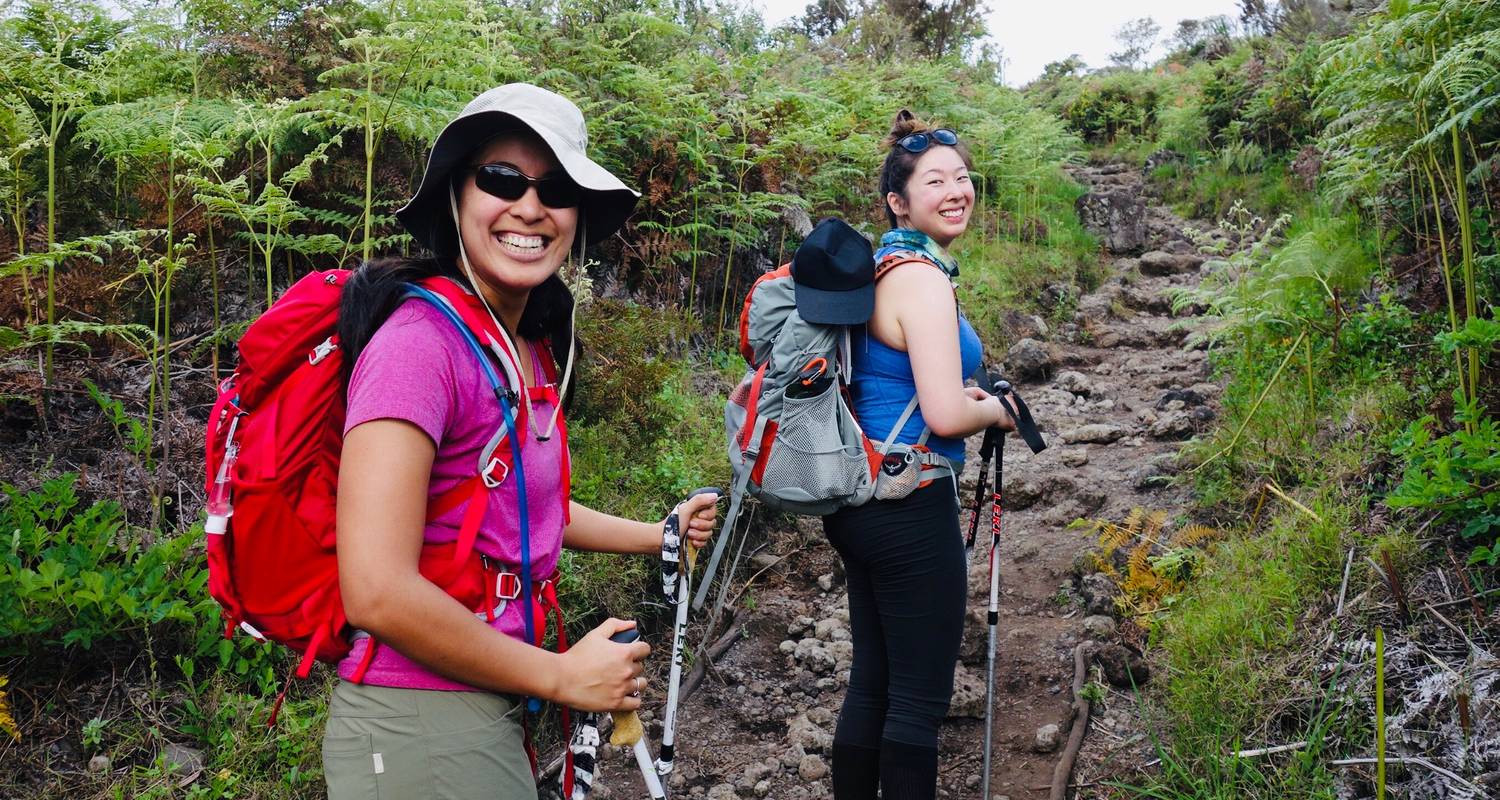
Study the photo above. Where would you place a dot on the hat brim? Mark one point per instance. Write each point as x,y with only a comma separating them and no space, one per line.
607,201
824,307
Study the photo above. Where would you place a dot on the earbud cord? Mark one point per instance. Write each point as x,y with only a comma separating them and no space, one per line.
463,256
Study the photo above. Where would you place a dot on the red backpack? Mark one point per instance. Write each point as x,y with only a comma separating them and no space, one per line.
273,446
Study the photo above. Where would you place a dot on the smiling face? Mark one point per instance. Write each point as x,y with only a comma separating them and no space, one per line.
513,245
939,196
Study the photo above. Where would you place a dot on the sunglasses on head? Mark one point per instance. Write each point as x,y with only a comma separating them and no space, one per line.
919,142
555,190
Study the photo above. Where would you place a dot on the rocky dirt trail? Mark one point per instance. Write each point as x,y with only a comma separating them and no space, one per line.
1115,392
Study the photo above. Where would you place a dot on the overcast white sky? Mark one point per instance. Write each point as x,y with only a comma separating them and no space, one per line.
1035,32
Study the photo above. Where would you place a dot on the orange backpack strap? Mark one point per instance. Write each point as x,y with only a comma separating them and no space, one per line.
894,260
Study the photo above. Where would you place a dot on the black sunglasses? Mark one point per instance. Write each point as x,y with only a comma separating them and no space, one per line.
555,190
919,142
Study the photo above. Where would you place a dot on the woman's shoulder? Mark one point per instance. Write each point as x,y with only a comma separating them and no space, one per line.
914,282
418,324
416,336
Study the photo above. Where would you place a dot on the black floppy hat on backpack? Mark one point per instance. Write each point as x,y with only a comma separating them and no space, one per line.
834,271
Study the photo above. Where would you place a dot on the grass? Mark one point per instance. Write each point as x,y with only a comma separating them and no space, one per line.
1209,189
1229,640
1239,645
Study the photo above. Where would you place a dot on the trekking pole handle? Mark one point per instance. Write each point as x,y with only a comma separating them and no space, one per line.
630,636
694,493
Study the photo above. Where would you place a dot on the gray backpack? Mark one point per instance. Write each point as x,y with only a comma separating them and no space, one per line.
793,441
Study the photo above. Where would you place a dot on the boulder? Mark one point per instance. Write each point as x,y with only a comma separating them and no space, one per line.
812,655
1074,457
1162,158
807,736
968,694
1098,433
1048,738
1022,491
1075,382
1158,262
1026,325
812,768
1027,360
797,220
1173,426
1117,216
1099,626
1098,593
1153,474
1187,397
182,758
1123,668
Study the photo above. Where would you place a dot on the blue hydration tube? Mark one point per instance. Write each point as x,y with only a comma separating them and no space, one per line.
503,395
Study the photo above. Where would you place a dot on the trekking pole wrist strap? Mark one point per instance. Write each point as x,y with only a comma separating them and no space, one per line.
1025,424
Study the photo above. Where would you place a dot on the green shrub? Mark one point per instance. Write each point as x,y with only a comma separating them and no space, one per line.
73,576
1456,475
1108,106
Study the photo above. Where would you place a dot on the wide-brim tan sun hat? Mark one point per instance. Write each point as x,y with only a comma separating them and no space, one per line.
606,202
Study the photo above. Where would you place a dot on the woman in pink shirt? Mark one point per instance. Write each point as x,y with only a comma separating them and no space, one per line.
436,711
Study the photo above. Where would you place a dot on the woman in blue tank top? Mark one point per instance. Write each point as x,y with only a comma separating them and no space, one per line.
904,558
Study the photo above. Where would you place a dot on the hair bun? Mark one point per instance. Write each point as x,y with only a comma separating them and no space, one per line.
905,124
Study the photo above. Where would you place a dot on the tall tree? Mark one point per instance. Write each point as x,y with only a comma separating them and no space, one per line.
941,27
1256,16
1136,38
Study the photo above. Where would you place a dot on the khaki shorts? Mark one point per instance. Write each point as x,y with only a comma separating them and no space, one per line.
383,742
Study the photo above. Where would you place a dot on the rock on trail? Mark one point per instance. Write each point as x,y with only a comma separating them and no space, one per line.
1115,393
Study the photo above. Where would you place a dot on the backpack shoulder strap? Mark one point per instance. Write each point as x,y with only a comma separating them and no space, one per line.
465,311
890,262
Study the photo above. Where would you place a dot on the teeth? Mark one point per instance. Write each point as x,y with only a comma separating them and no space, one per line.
521,242
952,213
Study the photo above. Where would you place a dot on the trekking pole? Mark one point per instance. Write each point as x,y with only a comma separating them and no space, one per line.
994,445
676,576
986,453
629,732
993,618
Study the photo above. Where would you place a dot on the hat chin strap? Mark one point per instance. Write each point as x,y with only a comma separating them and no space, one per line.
510,359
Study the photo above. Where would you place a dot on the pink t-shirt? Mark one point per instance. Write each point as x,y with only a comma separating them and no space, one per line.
418,368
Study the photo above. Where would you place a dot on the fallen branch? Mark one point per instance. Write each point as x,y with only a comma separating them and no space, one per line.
1064,770
717,651
1276,490
1418,760
1463,576
1266,751
1344,586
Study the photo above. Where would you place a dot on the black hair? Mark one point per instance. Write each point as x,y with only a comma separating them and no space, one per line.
376,288
899,164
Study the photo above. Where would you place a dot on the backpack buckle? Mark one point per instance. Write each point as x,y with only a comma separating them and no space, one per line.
253,632
507,586
487,475
322,351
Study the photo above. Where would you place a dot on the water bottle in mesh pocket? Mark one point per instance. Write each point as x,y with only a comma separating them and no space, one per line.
900,472
818,452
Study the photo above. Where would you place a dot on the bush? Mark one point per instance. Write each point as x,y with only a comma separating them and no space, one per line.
75,576
1114,104
1456,476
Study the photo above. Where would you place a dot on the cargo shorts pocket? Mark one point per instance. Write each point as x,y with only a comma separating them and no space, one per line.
349,767
488,761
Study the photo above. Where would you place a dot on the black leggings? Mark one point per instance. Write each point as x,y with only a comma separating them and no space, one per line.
907,588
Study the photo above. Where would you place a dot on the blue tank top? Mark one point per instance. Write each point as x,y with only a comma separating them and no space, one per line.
882,385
